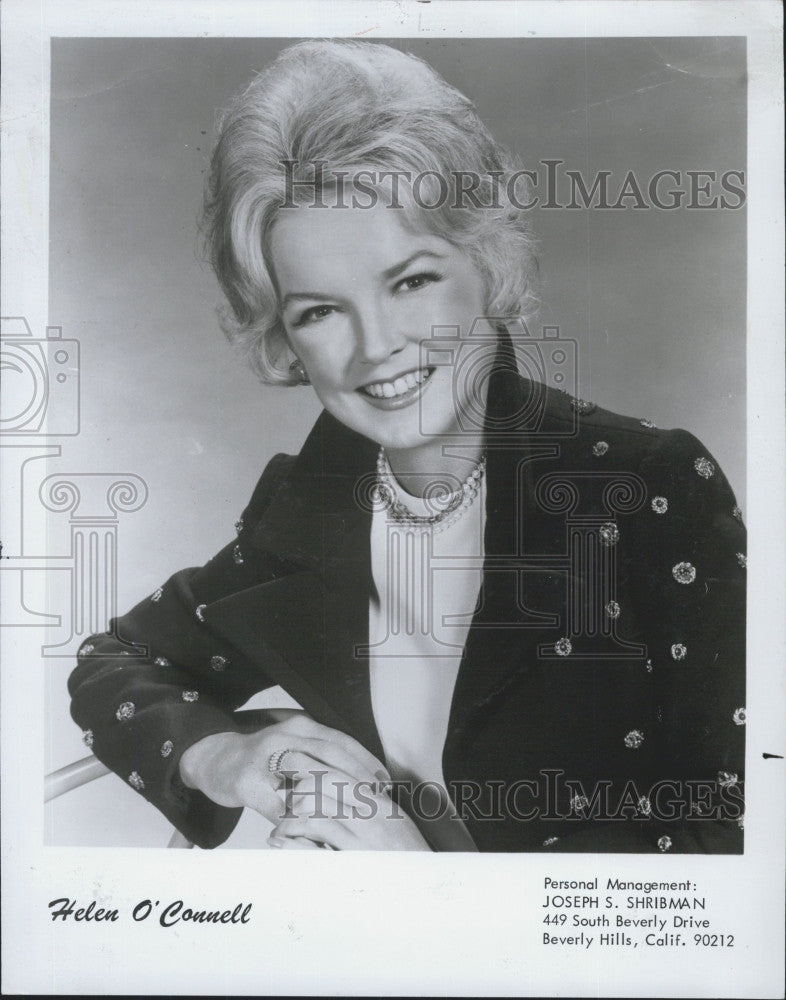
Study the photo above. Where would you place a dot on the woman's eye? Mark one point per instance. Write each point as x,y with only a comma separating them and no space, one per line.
313,315
417,281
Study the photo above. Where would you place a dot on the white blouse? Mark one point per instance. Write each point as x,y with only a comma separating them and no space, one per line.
428,587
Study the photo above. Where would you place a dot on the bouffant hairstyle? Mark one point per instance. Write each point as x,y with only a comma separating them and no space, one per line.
353,106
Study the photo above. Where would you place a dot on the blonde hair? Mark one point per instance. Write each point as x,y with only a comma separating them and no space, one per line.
352,105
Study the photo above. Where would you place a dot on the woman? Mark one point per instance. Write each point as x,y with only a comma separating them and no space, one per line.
513,621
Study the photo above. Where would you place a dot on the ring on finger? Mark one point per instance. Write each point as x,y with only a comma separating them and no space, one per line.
275,761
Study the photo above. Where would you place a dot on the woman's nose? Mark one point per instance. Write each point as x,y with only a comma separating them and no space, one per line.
377,336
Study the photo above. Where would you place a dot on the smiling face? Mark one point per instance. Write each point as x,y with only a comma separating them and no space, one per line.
359,293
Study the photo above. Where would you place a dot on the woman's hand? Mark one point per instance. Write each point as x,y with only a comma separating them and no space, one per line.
232,769
328,808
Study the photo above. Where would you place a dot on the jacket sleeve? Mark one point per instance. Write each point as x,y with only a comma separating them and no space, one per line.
159,681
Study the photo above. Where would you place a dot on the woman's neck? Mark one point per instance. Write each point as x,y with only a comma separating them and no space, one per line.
418,470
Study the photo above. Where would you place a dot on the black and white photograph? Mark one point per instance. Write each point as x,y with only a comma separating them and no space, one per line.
392,402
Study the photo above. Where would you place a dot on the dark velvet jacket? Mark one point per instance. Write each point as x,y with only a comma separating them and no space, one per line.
599,705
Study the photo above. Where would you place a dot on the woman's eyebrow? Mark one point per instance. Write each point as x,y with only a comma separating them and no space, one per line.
397,269
392,272
303,296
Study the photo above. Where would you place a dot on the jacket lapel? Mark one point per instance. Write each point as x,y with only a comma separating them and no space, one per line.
506,622
316,613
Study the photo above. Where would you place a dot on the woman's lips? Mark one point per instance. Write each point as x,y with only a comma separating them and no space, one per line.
399,385
397,392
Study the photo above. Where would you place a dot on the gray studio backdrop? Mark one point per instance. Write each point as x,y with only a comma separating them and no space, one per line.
655,299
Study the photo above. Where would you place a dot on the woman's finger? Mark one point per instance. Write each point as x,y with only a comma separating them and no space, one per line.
327,793
293,843
310,752
306,727
297,767
330,832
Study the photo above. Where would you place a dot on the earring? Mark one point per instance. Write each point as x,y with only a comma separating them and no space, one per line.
297,369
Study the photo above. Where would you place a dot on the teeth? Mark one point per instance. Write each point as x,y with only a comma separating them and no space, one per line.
404,383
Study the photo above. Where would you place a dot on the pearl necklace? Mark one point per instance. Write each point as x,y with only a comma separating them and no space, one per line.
457,503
